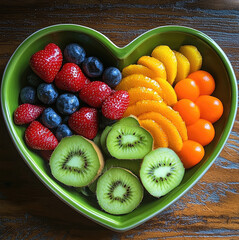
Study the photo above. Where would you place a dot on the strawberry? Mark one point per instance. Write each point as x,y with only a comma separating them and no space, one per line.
70,78
47,63
26,113
115,105
95,93
39,137
46,154
84,122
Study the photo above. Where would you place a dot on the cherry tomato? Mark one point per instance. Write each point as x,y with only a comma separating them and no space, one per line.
188,110
201,131
204,81
191,153
187,88
211,108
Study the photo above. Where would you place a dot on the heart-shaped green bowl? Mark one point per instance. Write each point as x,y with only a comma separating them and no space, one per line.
96,44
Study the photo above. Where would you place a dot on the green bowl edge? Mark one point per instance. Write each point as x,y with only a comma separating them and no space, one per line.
121,53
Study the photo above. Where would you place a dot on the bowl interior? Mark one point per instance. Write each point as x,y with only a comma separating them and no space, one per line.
96,44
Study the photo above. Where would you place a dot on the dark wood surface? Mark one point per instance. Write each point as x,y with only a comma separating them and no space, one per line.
210,210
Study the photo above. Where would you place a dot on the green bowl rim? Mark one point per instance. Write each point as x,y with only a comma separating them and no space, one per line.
121,52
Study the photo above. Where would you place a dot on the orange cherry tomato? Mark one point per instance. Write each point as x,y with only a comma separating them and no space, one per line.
204,81
211,108
187,88
191,153
201,131
188,110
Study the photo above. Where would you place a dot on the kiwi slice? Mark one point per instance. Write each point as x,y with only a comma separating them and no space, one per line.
129,142
96,139
76,161
103,140
131,165
129,121
161,171
119,191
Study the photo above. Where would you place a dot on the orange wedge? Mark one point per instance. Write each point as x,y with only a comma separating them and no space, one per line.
168,94
183,66
165,55
193,56
174,139
159,136
145,106
140,93
137,69
139,80
155,65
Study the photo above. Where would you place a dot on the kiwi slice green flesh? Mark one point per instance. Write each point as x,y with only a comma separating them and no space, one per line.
129,142
161,171
129,121
103,139
119,191
96,139
76,161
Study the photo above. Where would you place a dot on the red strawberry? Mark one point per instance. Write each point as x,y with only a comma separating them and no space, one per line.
87,80
70,78
115,105
46,154
26,113
39,137
95,93
46,63
84,122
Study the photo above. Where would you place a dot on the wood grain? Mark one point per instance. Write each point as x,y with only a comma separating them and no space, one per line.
209,210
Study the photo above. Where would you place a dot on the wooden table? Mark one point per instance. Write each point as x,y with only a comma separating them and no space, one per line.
210,210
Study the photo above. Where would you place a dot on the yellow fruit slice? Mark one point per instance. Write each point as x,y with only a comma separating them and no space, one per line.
164,54
193,56
145,106
159,136
141,93
139,80
168,94
137,69
155,65
183,66
174,139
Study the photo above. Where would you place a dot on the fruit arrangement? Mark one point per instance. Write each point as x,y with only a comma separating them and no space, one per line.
112,134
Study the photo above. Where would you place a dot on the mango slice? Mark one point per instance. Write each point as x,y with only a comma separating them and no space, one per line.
193,56
139,80
183,67
164,54
155,106
155,65
137,69
174,139
168,94
159,136
139,93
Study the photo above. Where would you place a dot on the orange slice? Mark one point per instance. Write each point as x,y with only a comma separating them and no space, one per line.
168,94
141,93
137,69
154,64
174,139
183,66
159,136
193,56
164,54
145,106
139,80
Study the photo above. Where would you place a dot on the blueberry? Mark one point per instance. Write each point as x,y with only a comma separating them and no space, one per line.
50,118
67,103
33,79
47,93
92,67
74,53
28,95
62,131
112,76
